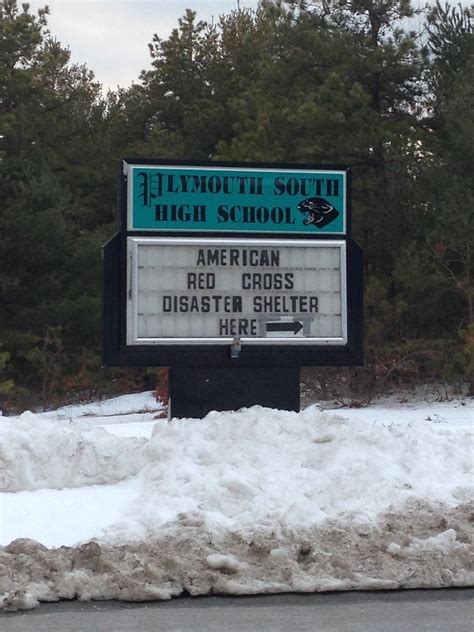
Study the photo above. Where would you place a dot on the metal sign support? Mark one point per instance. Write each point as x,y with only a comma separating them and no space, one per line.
196,391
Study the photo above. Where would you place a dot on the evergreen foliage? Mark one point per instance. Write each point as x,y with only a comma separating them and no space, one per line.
296,81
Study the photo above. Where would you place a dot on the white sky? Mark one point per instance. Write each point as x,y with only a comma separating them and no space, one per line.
111,36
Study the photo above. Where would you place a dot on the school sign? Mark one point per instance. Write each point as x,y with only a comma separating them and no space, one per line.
232,265
236,199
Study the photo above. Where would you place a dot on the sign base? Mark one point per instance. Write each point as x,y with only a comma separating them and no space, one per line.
195,391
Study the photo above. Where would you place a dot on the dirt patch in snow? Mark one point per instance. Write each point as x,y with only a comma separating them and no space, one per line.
425,545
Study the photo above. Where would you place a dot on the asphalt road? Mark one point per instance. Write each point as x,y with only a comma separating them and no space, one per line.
392,611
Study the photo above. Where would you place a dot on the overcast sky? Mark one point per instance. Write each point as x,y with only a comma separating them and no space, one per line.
111,36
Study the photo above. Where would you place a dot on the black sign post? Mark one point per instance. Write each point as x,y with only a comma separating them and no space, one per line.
234,275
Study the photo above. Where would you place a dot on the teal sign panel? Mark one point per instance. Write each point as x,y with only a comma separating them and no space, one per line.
236,199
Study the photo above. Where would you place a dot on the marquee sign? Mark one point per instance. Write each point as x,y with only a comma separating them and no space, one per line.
231,264
197,291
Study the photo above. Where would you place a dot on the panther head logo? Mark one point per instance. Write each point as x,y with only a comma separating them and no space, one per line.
319,211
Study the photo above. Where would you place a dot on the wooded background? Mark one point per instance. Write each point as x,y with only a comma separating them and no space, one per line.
341,81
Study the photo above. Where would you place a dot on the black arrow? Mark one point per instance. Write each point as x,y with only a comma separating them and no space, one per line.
295,326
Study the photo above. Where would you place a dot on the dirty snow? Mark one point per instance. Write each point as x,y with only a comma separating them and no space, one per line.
105,501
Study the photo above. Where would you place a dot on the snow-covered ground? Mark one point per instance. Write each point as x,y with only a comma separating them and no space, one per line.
107,501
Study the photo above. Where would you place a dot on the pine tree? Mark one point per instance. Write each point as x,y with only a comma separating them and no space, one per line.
51,118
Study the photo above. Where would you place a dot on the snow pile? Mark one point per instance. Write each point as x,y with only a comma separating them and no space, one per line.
37,453
420,545
122,405
261,466
247,502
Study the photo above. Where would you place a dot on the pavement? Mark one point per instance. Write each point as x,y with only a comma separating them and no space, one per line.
441,610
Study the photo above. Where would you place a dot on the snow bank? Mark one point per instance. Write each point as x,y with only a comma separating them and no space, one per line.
249,502
36,453
261,466
420,545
